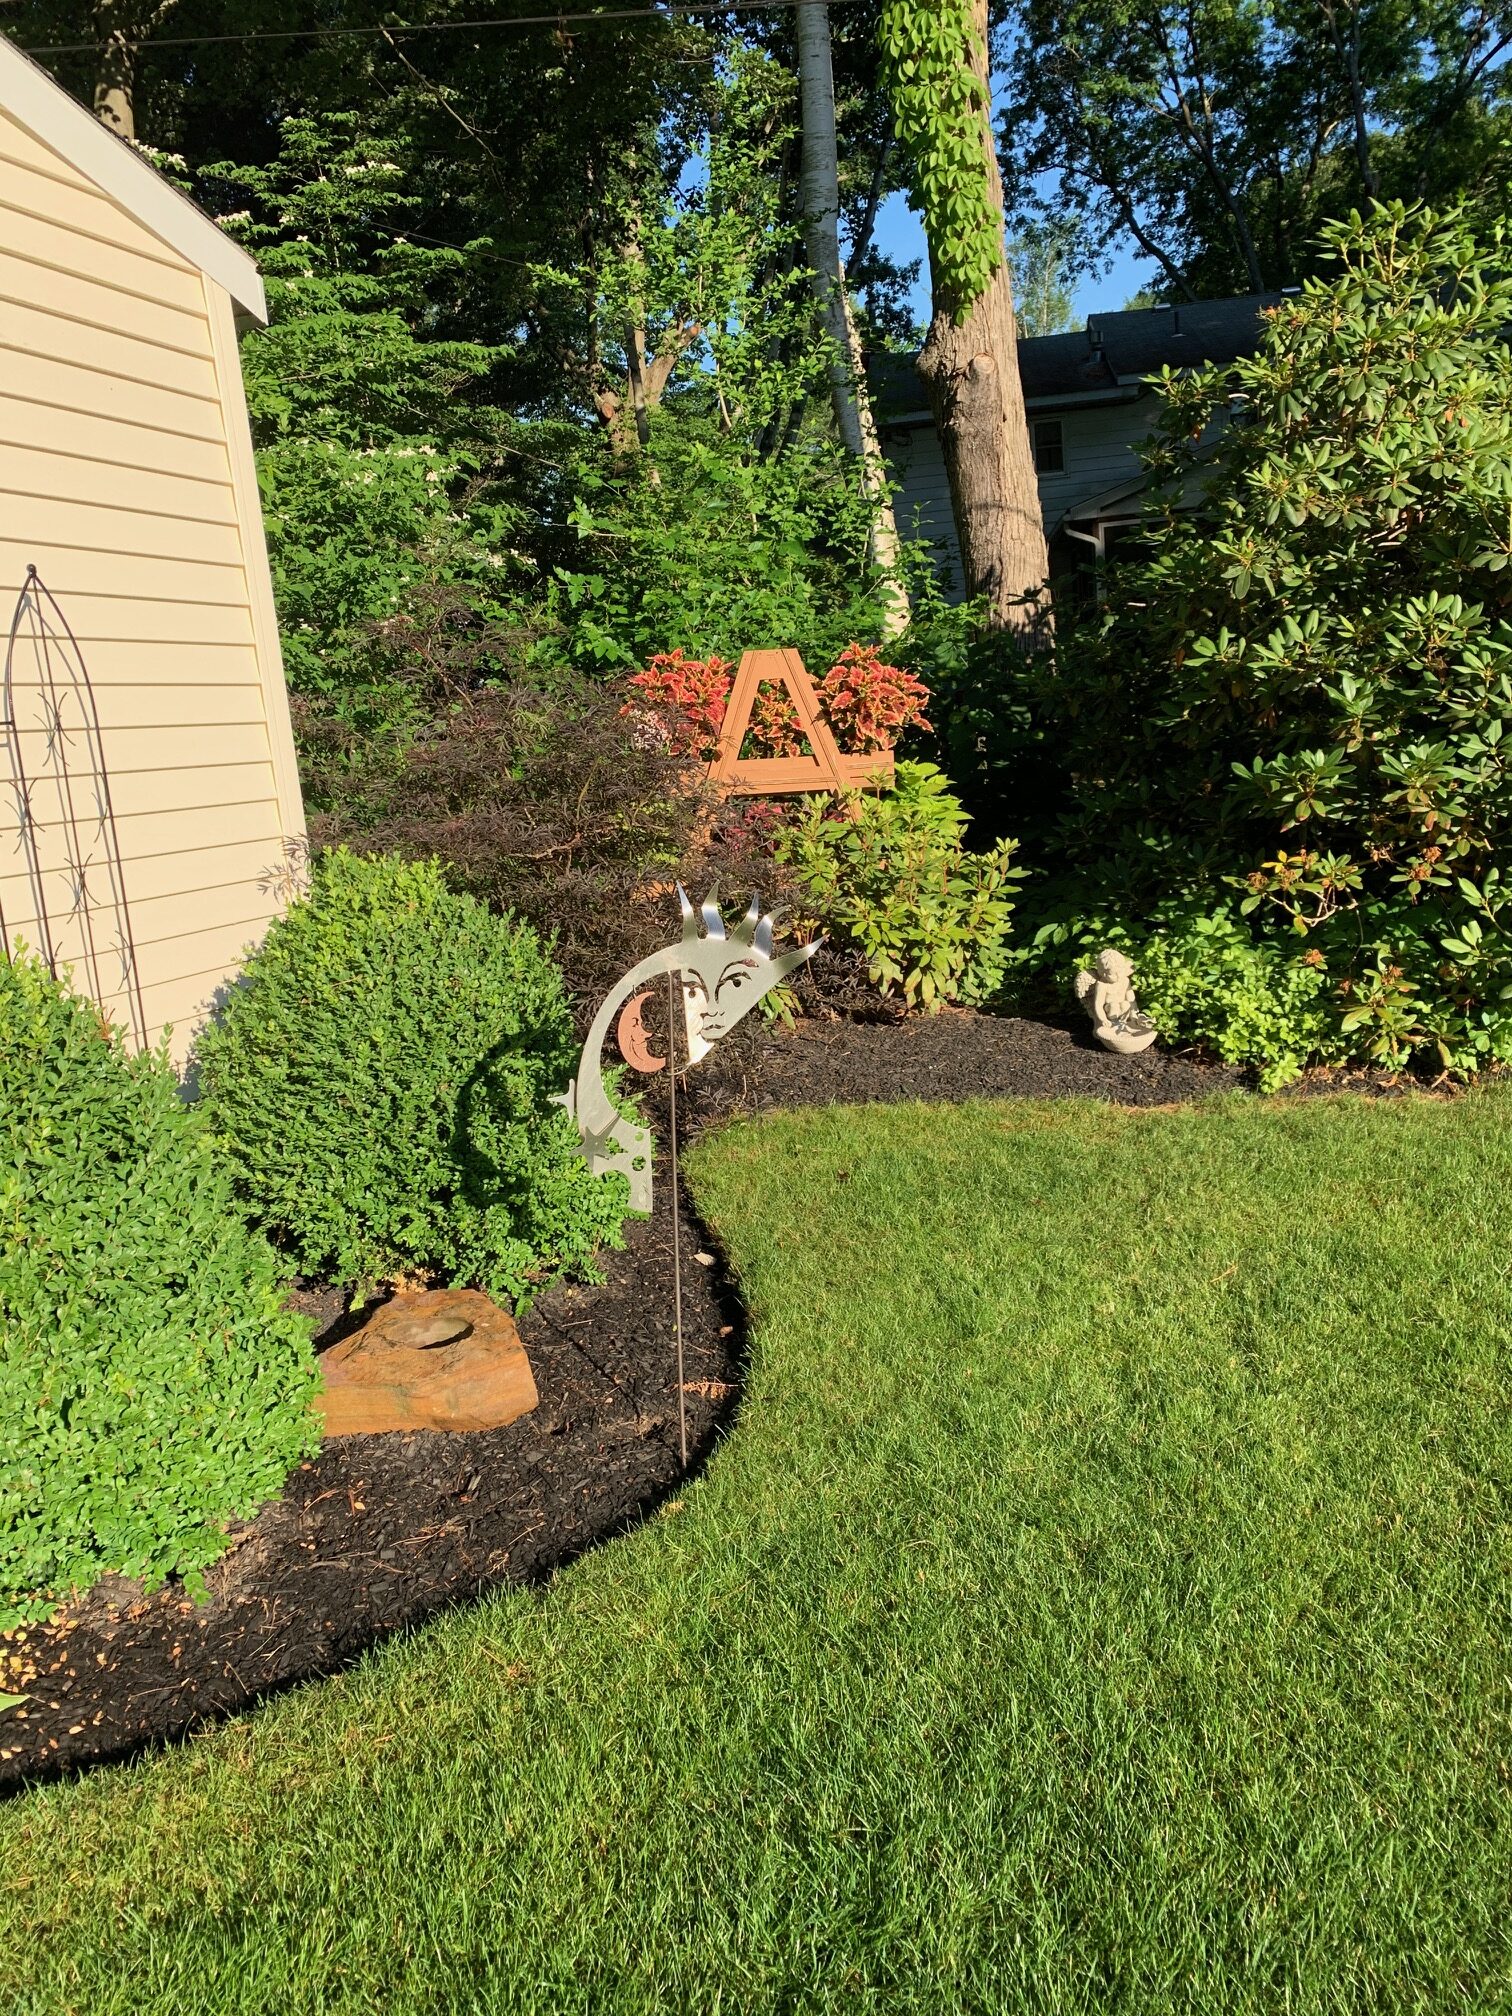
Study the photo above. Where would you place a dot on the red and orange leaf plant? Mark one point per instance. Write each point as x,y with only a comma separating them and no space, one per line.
866,704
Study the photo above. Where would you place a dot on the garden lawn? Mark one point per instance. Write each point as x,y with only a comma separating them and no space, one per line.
1100,1605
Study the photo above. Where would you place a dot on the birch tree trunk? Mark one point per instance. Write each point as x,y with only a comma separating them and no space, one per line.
819,197
969,365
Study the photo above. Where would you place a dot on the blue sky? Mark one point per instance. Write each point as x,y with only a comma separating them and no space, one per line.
900,234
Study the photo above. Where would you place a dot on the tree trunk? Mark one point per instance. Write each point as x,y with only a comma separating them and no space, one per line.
969,365
1349,55
115,70
820,202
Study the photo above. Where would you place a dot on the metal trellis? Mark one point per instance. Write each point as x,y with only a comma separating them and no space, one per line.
64,820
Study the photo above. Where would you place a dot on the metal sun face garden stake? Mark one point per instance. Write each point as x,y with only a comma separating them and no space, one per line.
721,978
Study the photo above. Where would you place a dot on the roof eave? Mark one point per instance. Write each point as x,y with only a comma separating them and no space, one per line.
40,104
1122,394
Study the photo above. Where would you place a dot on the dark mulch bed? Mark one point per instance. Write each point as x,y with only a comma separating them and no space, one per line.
380,1532
954,1055
957,1055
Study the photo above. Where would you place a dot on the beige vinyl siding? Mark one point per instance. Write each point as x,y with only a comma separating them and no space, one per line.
125,478
89,410
127,619
34,179
47,333
51,473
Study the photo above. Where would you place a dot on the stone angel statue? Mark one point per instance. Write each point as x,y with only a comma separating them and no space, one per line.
1107,994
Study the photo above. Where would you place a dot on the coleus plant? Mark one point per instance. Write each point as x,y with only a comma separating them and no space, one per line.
867,704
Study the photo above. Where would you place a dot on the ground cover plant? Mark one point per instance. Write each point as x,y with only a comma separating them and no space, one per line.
151,1386
1098,1607
382,1083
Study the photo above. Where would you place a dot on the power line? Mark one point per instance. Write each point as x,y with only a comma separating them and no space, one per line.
568,22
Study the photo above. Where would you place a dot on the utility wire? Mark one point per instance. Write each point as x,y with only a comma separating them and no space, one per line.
567,22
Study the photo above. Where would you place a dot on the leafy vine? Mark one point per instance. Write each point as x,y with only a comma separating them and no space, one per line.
940,106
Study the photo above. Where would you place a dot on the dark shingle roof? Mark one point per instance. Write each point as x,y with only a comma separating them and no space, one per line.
1111,350
1139,340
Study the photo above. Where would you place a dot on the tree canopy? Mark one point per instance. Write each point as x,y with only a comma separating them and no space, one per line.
1220,135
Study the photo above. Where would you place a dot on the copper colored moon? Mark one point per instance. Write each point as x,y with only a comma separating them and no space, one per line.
630,1033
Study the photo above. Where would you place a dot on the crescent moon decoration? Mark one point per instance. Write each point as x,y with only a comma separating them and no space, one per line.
724,973
720,975
630,1034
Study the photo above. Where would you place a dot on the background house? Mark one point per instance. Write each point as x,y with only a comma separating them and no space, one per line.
140,835
1089,404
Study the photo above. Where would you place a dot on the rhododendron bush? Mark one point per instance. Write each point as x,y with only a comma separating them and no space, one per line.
865,703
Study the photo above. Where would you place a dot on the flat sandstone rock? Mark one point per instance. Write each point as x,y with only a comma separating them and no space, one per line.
448,1359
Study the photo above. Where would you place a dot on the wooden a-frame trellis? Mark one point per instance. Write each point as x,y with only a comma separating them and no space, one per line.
768,776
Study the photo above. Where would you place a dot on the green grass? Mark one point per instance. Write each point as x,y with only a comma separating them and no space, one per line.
1101,1605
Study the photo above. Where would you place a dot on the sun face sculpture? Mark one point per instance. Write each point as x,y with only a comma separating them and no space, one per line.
723,975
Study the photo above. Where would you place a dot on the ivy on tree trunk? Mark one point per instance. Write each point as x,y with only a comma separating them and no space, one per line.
935,57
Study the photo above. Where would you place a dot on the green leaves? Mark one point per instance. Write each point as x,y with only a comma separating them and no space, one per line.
151,1385
1305,692
375,456
382,1084
889,873
942,116
714,546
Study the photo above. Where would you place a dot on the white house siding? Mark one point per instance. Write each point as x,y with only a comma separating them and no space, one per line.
922,503
1099,443
125,478
1100,451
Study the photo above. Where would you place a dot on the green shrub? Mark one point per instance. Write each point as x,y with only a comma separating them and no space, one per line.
1305,694
382,1083
888,873
1205,978
151,1386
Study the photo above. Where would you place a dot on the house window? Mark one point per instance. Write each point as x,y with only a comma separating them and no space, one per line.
1049,448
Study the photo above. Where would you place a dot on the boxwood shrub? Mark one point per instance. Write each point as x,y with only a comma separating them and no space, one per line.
383,1080
151,1386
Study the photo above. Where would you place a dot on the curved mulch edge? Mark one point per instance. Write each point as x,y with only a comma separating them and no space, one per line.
379,1533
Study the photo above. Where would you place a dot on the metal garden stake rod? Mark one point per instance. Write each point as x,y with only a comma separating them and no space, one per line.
674,980
714,977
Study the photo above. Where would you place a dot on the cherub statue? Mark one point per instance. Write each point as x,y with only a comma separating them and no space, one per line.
722,979
1107,994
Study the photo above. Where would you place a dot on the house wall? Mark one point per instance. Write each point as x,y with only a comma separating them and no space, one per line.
126,479
1099,453
922,503
1099,444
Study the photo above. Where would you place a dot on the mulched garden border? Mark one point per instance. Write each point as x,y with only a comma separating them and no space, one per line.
378,1533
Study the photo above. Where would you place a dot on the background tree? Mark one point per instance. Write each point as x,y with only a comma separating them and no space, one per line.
936,60
1218,135
542,327
1039,263
820,197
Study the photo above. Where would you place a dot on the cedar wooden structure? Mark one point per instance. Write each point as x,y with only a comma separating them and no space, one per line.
768,776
